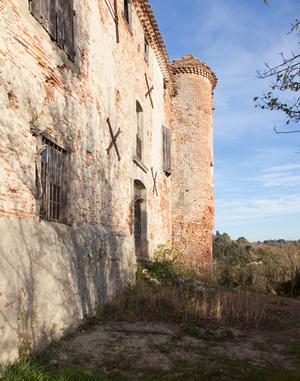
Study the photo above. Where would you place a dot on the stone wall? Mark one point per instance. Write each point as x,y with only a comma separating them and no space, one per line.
53,275
40,87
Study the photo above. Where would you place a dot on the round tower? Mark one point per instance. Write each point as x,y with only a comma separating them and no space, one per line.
192,168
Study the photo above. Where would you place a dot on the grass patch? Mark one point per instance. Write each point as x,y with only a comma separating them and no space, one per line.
206,371
173,301
30,370
168,294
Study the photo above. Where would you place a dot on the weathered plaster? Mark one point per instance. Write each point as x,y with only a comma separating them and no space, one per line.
53,275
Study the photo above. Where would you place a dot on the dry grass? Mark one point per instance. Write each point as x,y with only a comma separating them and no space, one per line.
146,302
178,295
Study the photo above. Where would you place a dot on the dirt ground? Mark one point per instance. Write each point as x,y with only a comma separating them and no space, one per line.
135,348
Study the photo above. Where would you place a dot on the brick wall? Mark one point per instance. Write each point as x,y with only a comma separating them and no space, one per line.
54,275
192,179
41,90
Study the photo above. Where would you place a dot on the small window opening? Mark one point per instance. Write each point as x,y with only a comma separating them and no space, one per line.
140,220
127,11
52,163
139,131
146,49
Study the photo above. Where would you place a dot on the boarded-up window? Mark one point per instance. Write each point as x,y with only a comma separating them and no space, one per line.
166,151
57,17
53,198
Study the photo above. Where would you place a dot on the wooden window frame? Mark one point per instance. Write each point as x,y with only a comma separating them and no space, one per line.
58,18
139,148
140,218
166,148
51,174
127,12
146,49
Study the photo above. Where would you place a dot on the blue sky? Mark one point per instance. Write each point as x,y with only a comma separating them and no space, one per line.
257,173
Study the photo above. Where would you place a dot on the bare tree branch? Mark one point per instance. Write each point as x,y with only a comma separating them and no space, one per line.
285,81
286,132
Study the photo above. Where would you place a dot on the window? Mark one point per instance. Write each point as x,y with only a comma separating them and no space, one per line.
140,220
146,49
52,165
57,17
166,151
127,11
139,132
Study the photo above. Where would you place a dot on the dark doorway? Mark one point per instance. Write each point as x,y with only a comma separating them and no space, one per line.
140,220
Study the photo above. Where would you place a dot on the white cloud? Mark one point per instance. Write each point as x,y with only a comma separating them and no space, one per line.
282,168
257,209
286,175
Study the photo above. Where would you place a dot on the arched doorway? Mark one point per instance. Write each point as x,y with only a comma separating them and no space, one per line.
140,220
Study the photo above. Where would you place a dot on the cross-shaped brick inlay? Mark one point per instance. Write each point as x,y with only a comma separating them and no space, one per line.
154,178
149,90
114,137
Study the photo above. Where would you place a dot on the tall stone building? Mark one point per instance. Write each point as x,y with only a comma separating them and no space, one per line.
106,153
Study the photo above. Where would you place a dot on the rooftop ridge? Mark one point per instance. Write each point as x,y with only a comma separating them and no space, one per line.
192,65
155,39
187,64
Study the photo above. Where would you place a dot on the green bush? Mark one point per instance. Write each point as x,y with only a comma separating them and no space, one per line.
165,267
273,267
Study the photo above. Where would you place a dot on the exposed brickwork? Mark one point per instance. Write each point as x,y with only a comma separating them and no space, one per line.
71,268
192,179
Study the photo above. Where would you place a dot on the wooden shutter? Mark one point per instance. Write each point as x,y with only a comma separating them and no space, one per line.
167,151
65,26
44,12
127,11
164,149
168,135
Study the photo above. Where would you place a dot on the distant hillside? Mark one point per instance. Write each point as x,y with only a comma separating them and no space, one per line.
224,245
279,242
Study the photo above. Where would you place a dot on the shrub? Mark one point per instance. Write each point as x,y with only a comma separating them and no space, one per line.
180,299
280,270
273,267
165,265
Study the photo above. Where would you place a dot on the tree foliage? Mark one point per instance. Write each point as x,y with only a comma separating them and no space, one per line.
272,266
285,84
